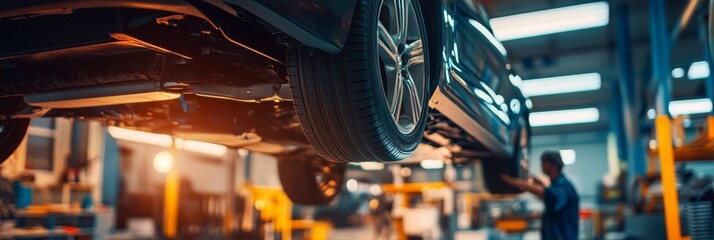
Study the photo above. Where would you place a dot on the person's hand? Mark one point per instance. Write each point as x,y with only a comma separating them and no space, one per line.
508,179
539,181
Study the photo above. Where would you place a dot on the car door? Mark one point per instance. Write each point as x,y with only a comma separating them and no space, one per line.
477,71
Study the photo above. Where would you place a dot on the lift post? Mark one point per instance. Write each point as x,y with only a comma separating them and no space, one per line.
171,196
660,72
667,173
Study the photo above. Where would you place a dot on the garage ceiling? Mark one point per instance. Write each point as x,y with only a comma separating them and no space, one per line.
595,50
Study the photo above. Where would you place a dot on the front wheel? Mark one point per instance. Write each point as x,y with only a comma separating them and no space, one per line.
368,103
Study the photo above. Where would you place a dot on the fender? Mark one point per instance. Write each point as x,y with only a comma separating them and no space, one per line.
321,24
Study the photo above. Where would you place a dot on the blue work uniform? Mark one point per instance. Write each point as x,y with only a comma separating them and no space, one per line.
562,211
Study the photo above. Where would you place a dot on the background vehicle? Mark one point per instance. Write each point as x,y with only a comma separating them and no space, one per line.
351,79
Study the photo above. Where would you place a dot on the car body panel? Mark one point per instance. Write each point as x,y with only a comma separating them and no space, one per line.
321,24
476,79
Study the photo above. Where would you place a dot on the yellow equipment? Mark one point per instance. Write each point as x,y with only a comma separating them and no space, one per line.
702,148
275,207
409,190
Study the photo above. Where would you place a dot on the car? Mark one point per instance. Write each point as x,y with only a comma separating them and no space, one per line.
317,83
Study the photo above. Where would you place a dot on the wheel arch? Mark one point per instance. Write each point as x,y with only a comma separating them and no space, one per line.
433,13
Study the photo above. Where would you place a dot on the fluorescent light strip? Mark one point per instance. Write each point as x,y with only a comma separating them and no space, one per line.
201,147
563,117
698,70
164,140
551,21
484,31
691,106
432,164
562,84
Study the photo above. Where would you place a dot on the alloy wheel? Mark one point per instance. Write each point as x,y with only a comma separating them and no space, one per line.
401,60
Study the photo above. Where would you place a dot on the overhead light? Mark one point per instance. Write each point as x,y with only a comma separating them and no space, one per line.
163,162
563,117
568,156
202,147
485,32
551,21
163,140
371,166
352,185
691,106
677,73
562,84
432,164
698,70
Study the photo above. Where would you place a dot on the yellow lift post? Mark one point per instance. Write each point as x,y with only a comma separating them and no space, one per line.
700,149
275,206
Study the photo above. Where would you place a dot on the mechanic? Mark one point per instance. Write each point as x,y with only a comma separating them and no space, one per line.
561,213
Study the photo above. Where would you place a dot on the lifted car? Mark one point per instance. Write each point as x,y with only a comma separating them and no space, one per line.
305,80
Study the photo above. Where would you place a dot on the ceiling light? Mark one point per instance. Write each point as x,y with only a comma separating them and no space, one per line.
563,117
352,185
562,84
162,140
202,147
677,73
691,106
371,166
432,164
568,156
698,70
163,162
551,21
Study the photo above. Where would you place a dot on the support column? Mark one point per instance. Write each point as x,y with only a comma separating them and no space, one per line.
669,181
229,217
704,32
660,56
632,148
661,73
171,196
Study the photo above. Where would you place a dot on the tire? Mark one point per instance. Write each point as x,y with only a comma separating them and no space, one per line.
341,100
310,180
516,166
12,132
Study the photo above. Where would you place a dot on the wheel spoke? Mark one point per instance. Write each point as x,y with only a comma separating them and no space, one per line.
414,101
401,12
416,53
396,98
387,47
